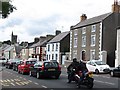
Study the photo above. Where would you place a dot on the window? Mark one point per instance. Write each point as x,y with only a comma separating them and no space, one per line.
52,56
52,47
93,40
75,38
92,54
48,47
49,57
84,30
56,56
56,47
83,41
93,28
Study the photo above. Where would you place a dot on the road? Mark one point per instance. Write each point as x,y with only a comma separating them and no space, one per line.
11,79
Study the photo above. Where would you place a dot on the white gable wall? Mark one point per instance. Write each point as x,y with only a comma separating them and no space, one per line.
117,60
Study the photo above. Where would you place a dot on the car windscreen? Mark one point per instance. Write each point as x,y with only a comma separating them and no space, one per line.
30,62
100,63
50,64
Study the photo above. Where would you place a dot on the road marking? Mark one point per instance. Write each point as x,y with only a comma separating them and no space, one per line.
12,80
43,86
12,84
29,80
104,82
36,83
18,83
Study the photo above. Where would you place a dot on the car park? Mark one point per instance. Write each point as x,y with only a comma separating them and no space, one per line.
97,66
23,67
45,69
115,71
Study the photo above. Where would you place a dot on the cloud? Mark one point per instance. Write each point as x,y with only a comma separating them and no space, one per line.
34,18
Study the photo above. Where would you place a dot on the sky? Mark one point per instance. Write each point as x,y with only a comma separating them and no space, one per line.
35,18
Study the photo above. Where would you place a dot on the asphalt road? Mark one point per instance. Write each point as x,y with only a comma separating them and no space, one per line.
12,80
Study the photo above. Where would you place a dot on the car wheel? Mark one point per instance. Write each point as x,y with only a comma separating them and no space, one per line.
97,71
112,74
30,73
38,75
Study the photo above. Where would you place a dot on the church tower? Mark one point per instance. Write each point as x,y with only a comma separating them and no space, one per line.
13,38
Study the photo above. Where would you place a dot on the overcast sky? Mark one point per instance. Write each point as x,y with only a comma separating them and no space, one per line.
35,18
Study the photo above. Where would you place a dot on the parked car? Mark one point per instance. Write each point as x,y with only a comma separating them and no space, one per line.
3,61
115,71
24,66
9,64
15,65
97,66
45,69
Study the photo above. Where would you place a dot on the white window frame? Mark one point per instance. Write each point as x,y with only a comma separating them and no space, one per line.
93,29
56,47
92,54
93,40
83,41
84,30
75,37
48,47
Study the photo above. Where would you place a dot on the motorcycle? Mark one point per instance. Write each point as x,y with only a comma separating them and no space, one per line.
87,80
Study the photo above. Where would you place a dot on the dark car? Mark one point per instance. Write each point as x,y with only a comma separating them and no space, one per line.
45,69
15,65
9,64
115,71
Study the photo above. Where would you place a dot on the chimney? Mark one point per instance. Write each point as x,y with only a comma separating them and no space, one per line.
42,38
116,7
57,32
48,37
83,17
36,40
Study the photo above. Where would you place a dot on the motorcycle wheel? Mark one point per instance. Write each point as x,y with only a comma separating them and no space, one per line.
90,85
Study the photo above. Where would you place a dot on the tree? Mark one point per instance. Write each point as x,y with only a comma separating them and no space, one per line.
7,8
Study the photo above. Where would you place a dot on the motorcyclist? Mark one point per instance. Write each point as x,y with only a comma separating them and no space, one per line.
74,65
83,69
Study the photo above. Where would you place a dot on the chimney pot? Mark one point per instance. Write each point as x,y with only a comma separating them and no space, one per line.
83,17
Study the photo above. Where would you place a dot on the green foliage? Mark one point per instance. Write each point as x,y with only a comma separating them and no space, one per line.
7,8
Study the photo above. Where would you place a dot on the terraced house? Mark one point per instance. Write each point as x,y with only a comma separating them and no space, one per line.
95,38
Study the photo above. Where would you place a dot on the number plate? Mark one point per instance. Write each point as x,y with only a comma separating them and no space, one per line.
51,69
90,75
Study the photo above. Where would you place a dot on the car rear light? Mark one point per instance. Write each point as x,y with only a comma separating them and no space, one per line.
59,68
42,67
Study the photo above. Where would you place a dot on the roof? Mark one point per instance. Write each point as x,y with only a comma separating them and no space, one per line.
92,20
59,37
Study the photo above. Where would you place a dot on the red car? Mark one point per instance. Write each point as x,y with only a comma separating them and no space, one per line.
24,66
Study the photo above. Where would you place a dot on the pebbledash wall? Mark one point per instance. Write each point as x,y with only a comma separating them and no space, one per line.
117,60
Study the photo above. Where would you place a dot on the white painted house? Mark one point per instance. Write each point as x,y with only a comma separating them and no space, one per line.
117,60
57,47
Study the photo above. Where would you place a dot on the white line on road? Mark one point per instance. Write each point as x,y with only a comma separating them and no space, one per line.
36,83
43,86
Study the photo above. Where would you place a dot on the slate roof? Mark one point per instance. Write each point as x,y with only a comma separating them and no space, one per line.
91,20
59,37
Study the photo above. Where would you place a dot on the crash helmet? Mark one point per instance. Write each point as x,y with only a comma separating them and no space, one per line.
74,59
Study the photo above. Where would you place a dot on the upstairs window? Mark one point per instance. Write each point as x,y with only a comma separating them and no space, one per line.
83,41
75,37
52,47
56,47
93,28
84,30
48,47
93,40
